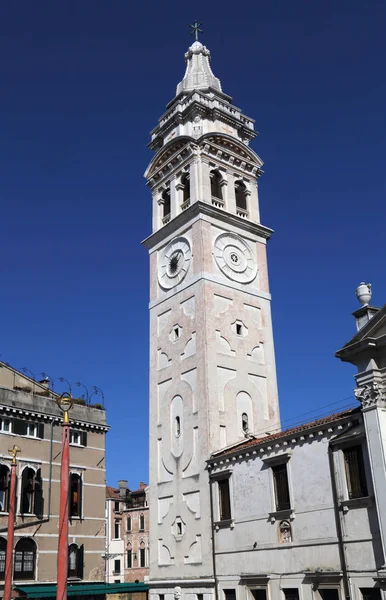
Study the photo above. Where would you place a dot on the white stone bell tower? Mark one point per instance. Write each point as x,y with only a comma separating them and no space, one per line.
212,364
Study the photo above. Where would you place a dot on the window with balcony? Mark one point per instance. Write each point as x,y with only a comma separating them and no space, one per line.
75,495
31,500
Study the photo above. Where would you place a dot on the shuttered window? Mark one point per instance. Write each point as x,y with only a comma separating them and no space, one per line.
224,499
280,479
355,472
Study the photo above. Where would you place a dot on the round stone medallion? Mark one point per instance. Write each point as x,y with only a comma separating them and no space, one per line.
234,257
174,263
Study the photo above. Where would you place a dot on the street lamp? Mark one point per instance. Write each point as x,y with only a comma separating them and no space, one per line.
65,403
11,527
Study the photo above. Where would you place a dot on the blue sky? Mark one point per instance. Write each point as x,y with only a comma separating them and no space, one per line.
82,84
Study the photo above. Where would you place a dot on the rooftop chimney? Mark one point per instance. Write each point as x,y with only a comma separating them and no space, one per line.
366,312
122,484
142,485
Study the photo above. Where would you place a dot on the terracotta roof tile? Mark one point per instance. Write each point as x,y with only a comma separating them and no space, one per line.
112,493
287,432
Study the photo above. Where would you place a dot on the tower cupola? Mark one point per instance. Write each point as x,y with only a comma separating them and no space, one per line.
198,74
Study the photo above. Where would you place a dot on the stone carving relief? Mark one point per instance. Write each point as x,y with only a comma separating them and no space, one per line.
192,500
221,304
257,354
164,505
164,556
177,593
223,346
189,307
371,394
195,552
163,360
174,262
285,534
190,347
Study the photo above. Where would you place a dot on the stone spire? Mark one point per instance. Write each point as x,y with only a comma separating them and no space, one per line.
198,74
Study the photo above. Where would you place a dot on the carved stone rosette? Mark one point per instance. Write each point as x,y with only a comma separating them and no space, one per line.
371,394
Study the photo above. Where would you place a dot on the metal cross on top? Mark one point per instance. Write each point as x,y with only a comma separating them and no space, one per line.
196,29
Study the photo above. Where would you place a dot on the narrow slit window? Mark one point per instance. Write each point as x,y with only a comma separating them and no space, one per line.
239,329
178,426
355,472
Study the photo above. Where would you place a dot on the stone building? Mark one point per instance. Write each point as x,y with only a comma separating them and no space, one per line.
301,513
127,531
212,365
31,419
240,510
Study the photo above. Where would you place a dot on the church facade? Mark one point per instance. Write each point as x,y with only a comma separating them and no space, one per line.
238,511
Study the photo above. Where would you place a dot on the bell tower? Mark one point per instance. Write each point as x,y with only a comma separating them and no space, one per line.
212,364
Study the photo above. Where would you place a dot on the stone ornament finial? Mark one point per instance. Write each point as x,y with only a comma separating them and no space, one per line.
363,293
371,394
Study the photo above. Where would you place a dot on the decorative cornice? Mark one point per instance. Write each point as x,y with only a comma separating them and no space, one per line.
202,208
371,395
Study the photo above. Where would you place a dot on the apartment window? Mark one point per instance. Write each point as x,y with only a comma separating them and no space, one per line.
129,558
116,506
259,594
230,594
371,593
142,557
329,593
224,500
3,551
78,438
117,567
75,561
117,530
75,495
28,428
280,479
142,523
4,488
6,425
25,559
291,594
32,429
31,501
128,523
355,472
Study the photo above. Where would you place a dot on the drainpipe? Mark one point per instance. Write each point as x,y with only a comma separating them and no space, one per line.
216,595
338,523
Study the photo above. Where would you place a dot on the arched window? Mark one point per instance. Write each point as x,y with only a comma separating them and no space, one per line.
129,556
4,488
75,495
244,422
142,555
166,203
25,559
75,561
142,523
3,551
215,185
241,195
185,182
31,492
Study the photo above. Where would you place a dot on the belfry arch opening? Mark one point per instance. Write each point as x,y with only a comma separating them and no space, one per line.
215,185
241,195
166,203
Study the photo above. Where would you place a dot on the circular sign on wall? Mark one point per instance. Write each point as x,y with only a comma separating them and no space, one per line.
234,257
174,263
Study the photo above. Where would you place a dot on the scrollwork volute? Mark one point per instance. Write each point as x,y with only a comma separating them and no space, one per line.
371,394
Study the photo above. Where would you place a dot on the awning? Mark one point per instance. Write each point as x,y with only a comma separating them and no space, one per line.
80,589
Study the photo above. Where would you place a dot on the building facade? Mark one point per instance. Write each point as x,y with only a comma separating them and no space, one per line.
301,514
31,419
127,533
212,365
